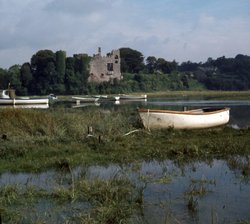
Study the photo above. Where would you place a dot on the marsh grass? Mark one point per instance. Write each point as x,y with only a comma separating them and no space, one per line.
198,188
39,139
241,95
109,201
240,163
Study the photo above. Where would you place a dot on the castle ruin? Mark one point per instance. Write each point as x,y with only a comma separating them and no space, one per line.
105,68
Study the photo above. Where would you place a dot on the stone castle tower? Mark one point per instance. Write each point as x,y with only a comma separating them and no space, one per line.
105,68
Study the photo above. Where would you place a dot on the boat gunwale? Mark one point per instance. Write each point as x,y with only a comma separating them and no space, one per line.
188,112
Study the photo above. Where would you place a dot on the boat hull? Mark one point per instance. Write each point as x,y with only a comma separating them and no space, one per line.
24,101
80,100
133,97
192,119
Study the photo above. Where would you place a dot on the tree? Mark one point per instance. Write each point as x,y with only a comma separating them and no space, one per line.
77,73
131,60
60,66
4,81
81,69
44,71
164,66
188,66
26,77
151,64
58,86
14,78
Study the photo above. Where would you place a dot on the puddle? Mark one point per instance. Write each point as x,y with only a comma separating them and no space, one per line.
221,193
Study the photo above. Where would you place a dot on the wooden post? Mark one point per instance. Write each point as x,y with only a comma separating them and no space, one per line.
90,130
4,137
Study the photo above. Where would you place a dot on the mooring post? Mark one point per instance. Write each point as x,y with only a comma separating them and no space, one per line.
100,138
90,130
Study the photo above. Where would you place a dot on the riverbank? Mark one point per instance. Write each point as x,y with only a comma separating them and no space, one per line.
66,142
204,93
35,140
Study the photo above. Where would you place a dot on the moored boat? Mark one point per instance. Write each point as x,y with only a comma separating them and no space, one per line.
85,99
7,97
189,119
133,97
114,98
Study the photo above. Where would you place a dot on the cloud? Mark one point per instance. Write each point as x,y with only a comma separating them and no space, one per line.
168,29
81,7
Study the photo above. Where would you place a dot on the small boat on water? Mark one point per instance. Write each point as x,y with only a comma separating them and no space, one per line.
100,96
107,98
85,99
189,119
133,97
8,97
114,98
52,96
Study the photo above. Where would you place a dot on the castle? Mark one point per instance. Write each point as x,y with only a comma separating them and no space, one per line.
105,68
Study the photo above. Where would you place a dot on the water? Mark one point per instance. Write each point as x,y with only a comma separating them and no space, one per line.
239,113
226,198
167,185
239,109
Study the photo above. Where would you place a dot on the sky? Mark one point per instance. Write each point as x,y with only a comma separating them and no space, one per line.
180,30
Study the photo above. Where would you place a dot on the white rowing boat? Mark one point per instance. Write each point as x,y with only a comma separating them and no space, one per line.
132,97
86,99
7,97
190,119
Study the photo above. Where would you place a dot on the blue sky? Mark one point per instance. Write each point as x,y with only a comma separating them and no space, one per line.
178,30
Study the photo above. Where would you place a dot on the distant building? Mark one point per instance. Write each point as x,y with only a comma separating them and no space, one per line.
105,68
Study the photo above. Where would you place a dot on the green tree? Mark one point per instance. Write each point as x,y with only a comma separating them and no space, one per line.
4,79
57,83
26,77
164,66
43,70
151,64
14,78
131,60
81,69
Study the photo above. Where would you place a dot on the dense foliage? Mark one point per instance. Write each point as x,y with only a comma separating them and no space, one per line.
222,73
49,72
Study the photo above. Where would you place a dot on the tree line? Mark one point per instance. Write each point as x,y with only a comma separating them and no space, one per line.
54,72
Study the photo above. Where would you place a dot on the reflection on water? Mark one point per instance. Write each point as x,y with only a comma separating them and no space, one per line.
239,109
37,106
239,113
167,189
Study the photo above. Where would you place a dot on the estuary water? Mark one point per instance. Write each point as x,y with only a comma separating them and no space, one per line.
221,194
239,109
214,191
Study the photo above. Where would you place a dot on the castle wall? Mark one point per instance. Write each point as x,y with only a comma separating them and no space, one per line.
105,68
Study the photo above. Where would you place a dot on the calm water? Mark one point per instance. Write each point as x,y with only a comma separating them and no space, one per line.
239,109
227,191
226,199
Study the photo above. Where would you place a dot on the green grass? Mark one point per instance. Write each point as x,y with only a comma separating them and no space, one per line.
39,140
109,201
241,95
58,139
